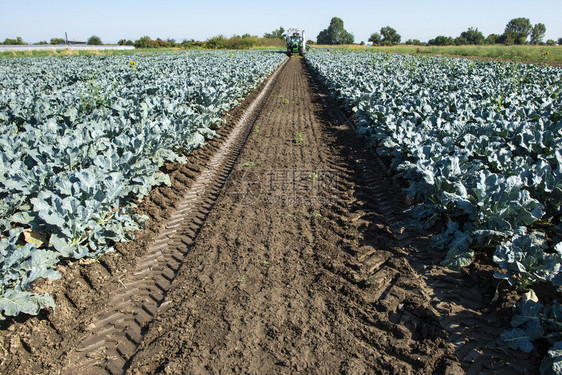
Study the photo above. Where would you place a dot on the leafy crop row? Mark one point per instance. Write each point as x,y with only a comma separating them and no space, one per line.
480,144
82,138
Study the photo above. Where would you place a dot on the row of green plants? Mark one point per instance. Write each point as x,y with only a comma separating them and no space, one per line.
83,139
480,144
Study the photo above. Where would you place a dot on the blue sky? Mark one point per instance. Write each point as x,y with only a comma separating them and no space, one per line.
36,20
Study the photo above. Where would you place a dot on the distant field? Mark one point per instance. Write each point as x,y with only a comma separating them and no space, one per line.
93,52
107,52
551,55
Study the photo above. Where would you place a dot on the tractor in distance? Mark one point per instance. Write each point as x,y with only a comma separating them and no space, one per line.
295,42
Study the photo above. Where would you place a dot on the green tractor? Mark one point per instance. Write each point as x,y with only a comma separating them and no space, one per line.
295,42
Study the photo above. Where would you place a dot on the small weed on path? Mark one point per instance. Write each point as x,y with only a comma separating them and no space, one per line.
285,100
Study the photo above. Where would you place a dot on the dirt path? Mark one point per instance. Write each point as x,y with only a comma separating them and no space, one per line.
292,272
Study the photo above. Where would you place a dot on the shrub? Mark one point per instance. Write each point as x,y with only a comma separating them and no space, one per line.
460,41
146,42
17,41
491,39
275,34
441,41
472,36
245,41
94,41
216,42
413,42
192,43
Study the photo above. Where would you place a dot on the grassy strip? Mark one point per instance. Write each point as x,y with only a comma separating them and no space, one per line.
550,55
63,52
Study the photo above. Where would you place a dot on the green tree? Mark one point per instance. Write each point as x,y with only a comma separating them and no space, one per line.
491,39
192,43
537,33
560,41
275,34
460,41
159,43
125,42
17,41
94,41
217,42
517,30
55,41
473,36
335,33
375,38
441,41
144,42
389,35
245,41
551,42
413,42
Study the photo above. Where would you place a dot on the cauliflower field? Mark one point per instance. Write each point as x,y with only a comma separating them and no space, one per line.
80,138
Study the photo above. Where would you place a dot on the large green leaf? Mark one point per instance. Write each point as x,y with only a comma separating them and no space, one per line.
14,302
516,338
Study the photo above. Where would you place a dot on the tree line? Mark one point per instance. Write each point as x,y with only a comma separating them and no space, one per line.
516,31
93,40
245,41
